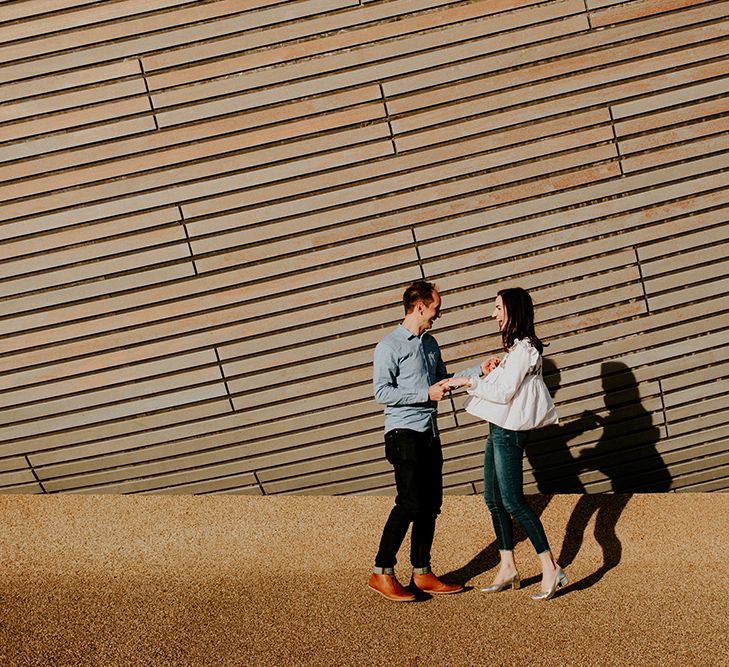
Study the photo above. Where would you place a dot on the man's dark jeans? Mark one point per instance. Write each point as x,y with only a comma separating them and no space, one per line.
418,462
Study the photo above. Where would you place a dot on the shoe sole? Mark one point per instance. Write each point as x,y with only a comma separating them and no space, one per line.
460,590
387,597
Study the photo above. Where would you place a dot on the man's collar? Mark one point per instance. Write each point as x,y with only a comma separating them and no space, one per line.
409,334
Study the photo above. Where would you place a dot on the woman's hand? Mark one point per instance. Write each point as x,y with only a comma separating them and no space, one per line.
456,383
489,365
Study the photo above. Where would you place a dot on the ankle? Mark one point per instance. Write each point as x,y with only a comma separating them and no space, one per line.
506,573
549,571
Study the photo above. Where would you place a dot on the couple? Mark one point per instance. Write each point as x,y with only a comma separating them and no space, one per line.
409,380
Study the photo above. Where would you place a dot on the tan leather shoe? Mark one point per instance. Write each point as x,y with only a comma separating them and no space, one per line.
388,586
429,583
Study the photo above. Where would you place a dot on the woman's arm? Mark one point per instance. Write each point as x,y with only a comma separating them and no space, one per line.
441,374
503,387
470,379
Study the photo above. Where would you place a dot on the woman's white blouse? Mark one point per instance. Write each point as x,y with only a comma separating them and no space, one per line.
514,395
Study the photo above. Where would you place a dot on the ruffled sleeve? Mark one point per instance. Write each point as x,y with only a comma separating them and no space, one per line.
502,383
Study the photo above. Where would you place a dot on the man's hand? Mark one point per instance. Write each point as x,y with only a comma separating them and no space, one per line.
437,391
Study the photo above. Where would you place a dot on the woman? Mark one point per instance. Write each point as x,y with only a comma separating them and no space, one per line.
513,398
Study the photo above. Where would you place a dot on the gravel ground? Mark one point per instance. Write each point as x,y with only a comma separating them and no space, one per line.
226,580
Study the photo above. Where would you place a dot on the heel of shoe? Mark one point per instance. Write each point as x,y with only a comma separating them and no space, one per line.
514,583
559,581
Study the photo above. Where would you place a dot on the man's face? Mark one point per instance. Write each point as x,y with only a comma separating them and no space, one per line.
430,312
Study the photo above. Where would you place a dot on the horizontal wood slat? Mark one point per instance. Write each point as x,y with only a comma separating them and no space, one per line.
209,212
392,19
388,57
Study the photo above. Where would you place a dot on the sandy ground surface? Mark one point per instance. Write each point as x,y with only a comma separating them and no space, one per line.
282,581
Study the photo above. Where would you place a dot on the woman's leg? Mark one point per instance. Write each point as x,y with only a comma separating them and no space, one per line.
501,519
508,453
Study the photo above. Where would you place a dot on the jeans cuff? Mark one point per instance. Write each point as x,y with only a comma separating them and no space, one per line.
422,570
384,570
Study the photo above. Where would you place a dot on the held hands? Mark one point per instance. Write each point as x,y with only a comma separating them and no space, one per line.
437,391
456,383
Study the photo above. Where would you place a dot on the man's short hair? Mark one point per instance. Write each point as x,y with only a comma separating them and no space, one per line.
420,290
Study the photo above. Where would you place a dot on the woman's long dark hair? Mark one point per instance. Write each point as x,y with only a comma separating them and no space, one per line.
519,314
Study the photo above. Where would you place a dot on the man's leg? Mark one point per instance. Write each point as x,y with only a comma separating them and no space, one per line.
430,491
430,498
401,452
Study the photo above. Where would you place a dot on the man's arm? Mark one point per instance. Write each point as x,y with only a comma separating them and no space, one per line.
384,376
441,372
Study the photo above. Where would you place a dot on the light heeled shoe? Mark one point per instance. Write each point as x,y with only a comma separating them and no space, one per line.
560,580
514,582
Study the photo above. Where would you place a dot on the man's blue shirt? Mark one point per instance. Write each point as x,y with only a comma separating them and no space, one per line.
405,366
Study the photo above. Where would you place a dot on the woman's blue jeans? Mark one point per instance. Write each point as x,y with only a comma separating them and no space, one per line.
503,489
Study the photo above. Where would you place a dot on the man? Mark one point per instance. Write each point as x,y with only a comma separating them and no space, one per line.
409,380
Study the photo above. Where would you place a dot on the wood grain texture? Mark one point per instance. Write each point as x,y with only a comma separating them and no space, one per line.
209,212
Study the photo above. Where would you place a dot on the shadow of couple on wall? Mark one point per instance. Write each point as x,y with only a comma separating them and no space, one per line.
624,458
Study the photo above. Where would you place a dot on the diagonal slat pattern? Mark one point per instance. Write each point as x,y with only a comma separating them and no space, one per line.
208,213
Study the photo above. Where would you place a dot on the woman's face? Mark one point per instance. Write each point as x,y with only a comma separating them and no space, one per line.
499,313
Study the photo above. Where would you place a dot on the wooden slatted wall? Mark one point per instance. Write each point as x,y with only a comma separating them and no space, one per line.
209,211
